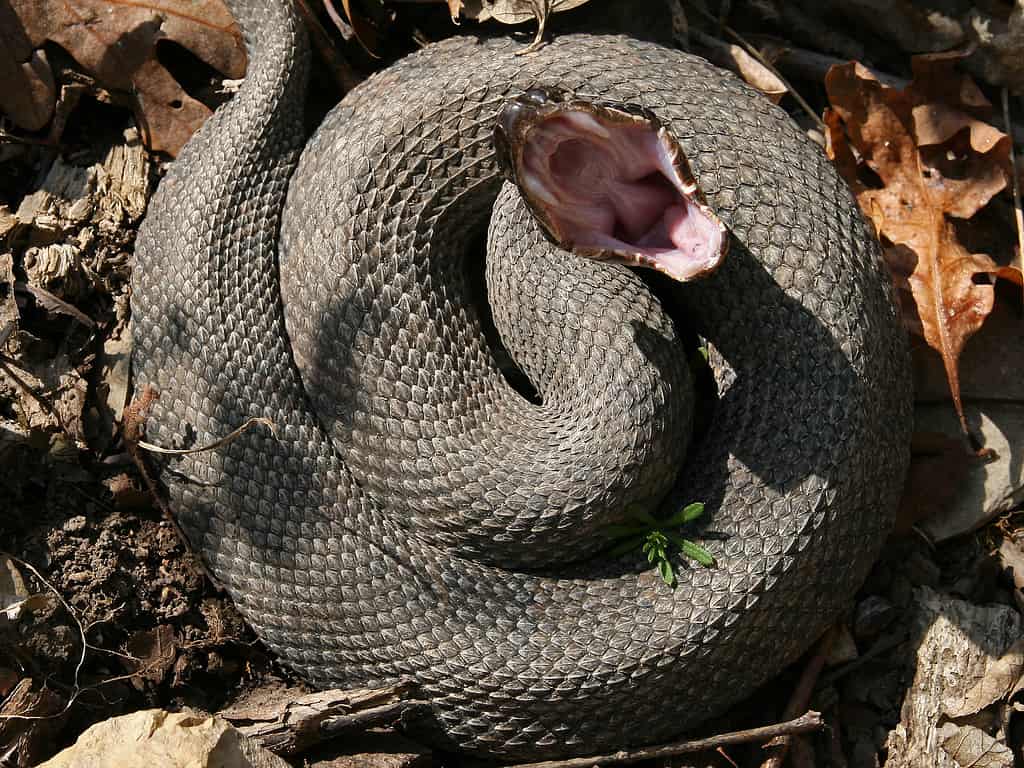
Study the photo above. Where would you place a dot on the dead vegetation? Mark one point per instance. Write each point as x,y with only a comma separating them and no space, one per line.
102,609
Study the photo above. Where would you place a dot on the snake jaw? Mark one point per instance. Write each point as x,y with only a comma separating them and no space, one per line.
609,182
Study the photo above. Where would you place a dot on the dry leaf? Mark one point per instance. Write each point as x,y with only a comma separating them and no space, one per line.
971,747
153,653
29,92
117,43
1000,678
733,57
1011,555
514,11
15,600
936,159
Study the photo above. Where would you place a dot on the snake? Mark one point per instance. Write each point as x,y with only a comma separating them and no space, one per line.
451,410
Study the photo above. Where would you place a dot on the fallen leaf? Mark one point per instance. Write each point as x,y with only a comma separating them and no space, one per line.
29,93
15,599
117,44
153,653
733,57
971,747
12,586
515,11
1000,678
937,159
29,722
8,679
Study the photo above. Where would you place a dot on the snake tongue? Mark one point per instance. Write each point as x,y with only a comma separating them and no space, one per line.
610,183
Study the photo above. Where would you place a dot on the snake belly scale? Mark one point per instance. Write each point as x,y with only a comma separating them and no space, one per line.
415,516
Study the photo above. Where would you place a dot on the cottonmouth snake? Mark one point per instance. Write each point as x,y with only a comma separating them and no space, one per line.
367,540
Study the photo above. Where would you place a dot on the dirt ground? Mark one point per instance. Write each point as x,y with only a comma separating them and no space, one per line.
104,611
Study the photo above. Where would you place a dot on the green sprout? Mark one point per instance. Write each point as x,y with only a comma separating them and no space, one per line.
655,537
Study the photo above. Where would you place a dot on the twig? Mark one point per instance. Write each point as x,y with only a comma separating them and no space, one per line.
801,697
289,725
344,76
807,722
8,366
812,65
541,10
219,443
386,713
1015,172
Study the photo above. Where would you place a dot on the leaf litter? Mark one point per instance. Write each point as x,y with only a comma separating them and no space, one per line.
118,44
940,130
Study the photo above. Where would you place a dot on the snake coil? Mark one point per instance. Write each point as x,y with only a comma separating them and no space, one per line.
415,516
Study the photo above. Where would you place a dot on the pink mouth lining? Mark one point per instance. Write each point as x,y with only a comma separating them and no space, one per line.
620,190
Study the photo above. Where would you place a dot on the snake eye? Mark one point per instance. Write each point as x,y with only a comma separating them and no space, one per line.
543,96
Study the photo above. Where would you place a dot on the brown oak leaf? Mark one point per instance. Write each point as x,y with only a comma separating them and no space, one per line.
29,92
937,159
117,43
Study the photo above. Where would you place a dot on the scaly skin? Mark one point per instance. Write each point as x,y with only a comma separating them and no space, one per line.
417,517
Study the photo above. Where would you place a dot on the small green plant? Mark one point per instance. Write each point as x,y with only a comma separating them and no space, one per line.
655,537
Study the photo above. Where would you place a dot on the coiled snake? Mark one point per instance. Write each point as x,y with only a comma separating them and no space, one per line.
415,515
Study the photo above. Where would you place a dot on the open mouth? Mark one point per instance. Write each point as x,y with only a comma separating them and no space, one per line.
609,182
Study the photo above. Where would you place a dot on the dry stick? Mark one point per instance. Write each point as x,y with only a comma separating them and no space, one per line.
291,726
807,722
541,10
344,76
801,697
1014,171
219,443
814,66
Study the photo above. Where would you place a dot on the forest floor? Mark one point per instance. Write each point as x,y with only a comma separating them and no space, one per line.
104,611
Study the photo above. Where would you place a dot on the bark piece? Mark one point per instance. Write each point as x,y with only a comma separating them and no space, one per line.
954,642
287,720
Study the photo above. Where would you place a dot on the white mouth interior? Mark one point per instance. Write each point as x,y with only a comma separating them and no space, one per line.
614,187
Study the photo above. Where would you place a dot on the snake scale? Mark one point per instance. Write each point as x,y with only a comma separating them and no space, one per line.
413,515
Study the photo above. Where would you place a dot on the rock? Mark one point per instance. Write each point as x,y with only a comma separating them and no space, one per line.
872,615
155,738
955,641
989,489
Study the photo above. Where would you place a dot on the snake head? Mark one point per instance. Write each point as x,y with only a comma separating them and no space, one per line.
609,181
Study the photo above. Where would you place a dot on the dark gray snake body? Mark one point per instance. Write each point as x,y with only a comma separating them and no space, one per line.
415,516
